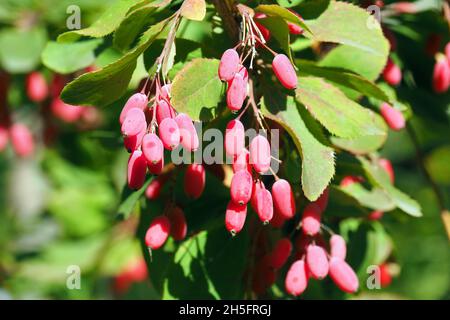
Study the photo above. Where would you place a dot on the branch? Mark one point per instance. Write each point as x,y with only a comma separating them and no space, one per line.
227,11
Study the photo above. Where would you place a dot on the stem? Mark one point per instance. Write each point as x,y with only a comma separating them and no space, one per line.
226,10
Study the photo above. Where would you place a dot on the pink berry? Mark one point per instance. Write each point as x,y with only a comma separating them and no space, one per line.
283,198
348,180
281,253
260,156
338,247
21,140
241,162
156,168
157,233
4,137
165,91
293,28
66,112
311,219
194,180
343,275
375,215
178,225
392,73
234,138
236,93
284,71
262,203
37,88
317,261
229,64
441,75
137,168
169,133
322,201
235,217
152,148
188,134
137,100
134,122
241,187
154,188
387,166
393,117
132,143
164,110
297,278
244,73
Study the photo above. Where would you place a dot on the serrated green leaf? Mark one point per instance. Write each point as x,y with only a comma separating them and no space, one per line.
317,159
337,113
280,32
375,199
106,85
278,11
197,89
69,57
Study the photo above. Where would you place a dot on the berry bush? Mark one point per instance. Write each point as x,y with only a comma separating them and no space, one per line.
224,149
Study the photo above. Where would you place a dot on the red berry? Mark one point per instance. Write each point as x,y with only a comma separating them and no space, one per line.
393,117
283,198
263,204
311,219
178,226
165,91
293,28
66,112
37,88
134,122
277,220
241,187
152,148
132,143
441,75
156,168
188,134
234,138
4,137
297,278
169,133
260,156
154,188
375,215
241,162
164,110
447,51
322,201
244,73
284,71
404,7
348,180
157,233
235,217
236,92
229,64
137,168
135,271
338,247
392,73
137,100
281,253
387,166
343,275
385,275
317,261
21,140
264,31
194,180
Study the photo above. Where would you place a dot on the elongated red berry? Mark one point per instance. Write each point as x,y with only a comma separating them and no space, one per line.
134,122
260,156
283,198
343,275
441,75
66,112
235,217
263,204
241,187
244,73
257,186
293,28
234,138
375,215
132,143
348,180
194,180
165,91
447,51
317,261
157,233
322,201
281,253
37,88
156,168
392,73
385,275
236,93
241,162
169,133
21,140
188,134
4,137
137,168
404,7
277,220
229,64
137,100
393,117
285,72
178,225
164,110
297,278
387,166
311,219
153,148
338,248
154,188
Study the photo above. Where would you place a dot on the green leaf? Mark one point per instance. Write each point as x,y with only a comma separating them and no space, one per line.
437,165
129,198
106,85
193,9
69,57
20,51
340,115
278,11
280,32
375,199
197,89
106,24
317,159
380,178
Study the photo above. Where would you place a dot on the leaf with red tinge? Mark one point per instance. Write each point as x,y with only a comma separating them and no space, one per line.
194,9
